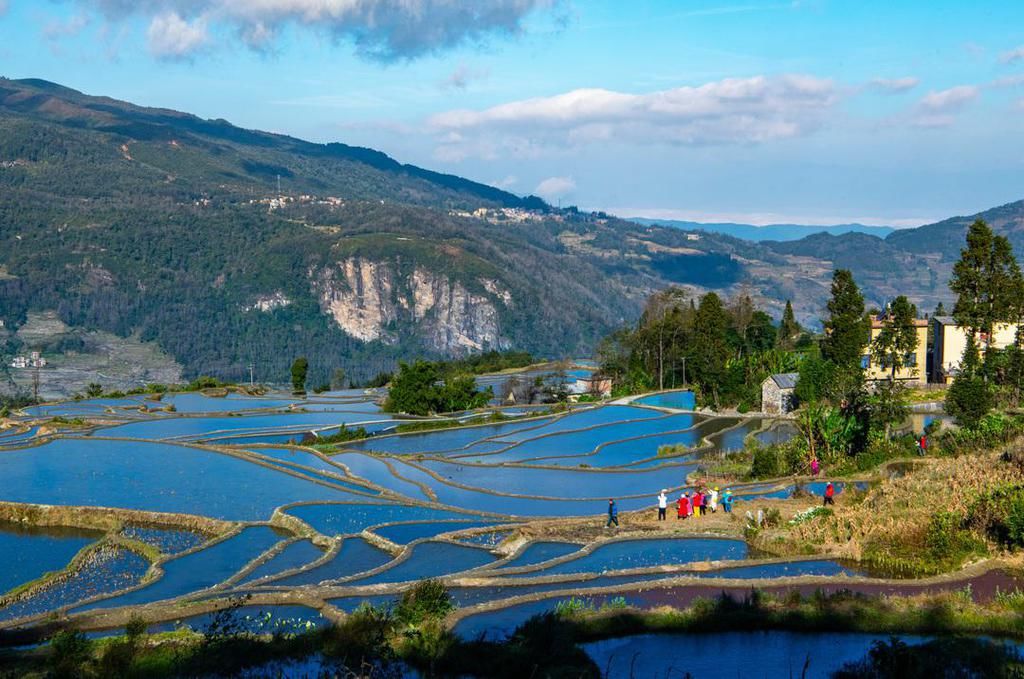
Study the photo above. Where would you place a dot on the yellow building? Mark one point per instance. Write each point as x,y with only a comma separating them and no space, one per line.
950,340
914,363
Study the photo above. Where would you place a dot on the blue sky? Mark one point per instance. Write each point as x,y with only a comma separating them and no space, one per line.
817,111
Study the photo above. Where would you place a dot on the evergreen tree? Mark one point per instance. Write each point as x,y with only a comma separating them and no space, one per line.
888,405
710,344
987,282
846,329
338,379
789,329
898,336
940,310
299,370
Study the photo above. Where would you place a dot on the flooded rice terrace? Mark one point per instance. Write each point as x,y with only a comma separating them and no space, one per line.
173,507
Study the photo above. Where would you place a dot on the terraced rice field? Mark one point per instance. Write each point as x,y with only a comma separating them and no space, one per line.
283,520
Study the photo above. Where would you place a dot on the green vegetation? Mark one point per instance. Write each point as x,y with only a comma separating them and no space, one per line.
722,351
956,657
343,435
418,389
846,328
487,362
489,418
300,369
990,291
897,339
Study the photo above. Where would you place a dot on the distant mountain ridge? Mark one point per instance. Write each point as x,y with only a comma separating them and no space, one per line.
768,232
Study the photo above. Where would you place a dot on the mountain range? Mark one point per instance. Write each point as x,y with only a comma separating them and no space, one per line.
166,229
766,232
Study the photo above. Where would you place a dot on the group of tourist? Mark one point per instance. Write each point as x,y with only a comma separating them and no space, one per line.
698,503
702,500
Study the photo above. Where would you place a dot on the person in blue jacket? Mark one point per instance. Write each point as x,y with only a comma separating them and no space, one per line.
727,501
613,514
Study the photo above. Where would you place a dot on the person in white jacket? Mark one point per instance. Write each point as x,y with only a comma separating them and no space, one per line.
662,505
713,499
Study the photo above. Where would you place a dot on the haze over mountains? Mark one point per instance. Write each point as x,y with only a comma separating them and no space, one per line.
160,227
778,232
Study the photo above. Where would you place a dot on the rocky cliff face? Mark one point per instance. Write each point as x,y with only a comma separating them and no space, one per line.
373,300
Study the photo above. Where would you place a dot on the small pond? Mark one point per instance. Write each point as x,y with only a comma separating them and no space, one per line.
30,552
731,654
404,533
156,477
200,570
356,556
344,519
295,555
683,400
105,571
654,552
431,560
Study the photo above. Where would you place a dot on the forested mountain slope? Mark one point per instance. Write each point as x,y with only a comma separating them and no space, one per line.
161,227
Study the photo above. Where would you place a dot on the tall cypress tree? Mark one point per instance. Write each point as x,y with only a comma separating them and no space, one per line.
898,336
987,282
711,344
846,329
789,329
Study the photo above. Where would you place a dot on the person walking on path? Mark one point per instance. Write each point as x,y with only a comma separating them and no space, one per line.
713,495
815,466
830,490
727,501
698,503
705,503
662,505
682,507
613,514
922,445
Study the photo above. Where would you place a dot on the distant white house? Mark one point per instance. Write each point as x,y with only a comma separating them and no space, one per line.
777,393
34,360
950,340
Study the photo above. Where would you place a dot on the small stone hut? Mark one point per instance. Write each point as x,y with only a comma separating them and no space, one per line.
777,393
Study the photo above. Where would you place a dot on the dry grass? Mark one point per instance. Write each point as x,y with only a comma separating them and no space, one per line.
896,512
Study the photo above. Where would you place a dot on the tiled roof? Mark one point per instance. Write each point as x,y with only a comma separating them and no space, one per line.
786,380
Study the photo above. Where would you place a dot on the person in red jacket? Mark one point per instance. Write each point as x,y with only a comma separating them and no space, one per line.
698,503
682,507
830,490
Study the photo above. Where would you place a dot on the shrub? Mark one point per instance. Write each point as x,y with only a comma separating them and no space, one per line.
968,400
766,463
772,517
361,636
70,650
947,541
426,600
1000,514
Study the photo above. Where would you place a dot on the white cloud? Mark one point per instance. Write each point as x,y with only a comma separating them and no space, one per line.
747,110
894,85
507,183
939,108
172,37
1010,56
555,187
1008,81
949,100
384,30
72,26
